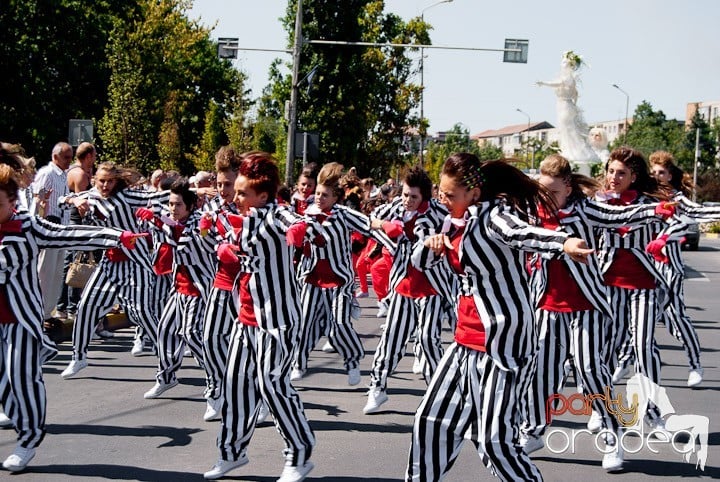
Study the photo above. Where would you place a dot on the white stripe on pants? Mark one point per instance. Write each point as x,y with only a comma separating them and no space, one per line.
180,325
404,316
470,395
582,334
220,316
679,323
329,306
99,297
642,310
259,369
22,390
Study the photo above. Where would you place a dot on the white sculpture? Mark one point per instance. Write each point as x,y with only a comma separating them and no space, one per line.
573,130
599,143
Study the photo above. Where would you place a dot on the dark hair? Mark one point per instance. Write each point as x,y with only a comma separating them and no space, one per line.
635,161
498,179
310,170
181,187
261,172
9,181
84,150
284,194
417,177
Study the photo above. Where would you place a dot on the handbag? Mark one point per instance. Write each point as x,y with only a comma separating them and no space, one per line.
81,268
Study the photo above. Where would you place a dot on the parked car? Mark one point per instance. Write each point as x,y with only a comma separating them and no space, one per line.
692,236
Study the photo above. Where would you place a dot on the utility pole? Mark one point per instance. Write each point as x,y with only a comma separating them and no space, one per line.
292,114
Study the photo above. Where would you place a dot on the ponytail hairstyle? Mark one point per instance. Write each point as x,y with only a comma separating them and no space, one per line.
644,183
9,181
498,179
679,180
330,176
417,177
261,172
581,186
181,187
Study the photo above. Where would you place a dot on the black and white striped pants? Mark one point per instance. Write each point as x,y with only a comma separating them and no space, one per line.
131,287
639,310
180,325
581,333
258,369
406,315
469,396
220,317
328,307
22,390
678,322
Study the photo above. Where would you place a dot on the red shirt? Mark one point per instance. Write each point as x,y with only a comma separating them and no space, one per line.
164,260
7,317
626,271
323,276
562,293
246,315
470,331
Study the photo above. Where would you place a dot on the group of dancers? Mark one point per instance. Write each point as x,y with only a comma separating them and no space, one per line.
533,276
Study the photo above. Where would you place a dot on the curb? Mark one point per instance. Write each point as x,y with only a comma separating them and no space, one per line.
711,235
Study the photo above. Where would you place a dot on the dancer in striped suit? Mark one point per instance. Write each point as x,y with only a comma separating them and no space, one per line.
416,298
631,274
259,356
475,390
23,346
663,169
572,307
122,276
327,276
193,269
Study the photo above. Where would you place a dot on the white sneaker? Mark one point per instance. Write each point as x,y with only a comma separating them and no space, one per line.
531,444
296,374
19,459
5,421
695,377
382,309
263,412
137,349
328,348
213,410
619,374
222,467
417,367
73,368
595,422
159,389
376,397
295,474
354,376
613,461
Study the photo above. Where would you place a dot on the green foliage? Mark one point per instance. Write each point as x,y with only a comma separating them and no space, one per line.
651,131
203,156
361,99
54,67
164,74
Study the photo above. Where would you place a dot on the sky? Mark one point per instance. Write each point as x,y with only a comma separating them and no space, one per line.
666,52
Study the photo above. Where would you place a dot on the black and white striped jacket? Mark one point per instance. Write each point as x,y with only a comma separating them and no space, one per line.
430,222
336,230
18,265
493,254
585,218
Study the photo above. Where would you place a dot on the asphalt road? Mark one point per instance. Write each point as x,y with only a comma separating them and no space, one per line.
100,427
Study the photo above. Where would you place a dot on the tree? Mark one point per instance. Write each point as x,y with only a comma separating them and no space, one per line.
360,99
164,74
651,131
55,68
707,144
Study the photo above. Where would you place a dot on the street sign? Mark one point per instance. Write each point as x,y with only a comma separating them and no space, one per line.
307,146
519,57
228,47
79,131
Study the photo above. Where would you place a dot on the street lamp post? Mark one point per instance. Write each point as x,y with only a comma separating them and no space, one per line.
627,106
422,86
527,139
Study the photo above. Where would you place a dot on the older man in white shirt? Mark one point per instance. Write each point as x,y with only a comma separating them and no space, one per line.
49,185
